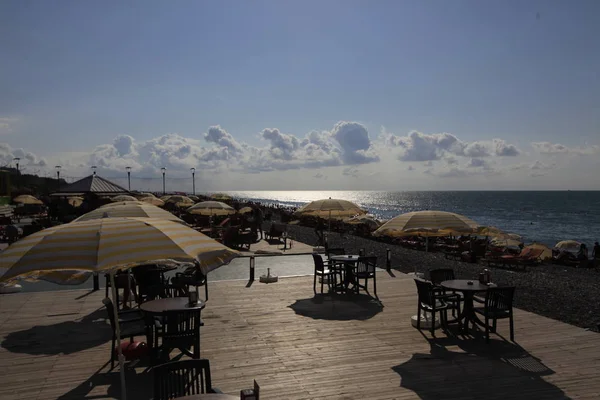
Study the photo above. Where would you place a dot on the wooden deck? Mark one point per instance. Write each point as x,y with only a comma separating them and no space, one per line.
54,345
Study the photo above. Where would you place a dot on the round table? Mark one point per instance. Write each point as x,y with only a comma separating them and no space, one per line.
170,304
209,396
349,261
468,290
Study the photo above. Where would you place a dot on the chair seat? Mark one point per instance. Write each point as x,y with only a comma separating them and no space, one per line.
438,306
324,272
492,313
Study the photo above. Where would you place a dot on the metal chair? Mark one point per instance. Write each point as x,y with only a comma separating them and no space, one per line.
182,378
131,324
439,275
498,305
366,269
322,270
179,329
428,301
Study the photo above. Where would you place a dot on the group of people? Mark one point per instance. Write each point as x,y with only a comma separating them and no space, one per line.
579,259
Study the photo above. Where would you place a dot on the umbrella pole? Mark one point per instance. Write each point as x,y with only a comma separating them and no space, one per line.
118,329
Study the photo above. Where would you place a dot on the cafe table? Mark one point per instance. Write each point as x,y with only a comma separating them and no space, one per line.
468,288
349,261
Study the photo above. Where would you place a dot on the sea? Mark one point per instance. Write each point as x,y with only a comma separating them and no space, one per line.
538,216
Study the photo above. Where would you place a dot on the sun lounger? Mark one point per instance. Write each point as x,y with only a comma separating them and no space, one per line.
528,256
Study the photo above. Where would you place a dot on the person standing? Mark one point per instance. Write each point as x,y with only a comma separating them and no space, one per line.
258,220
596,254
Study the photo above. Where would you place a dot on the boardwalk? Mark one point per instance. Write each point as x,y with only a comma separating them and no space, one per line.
54,345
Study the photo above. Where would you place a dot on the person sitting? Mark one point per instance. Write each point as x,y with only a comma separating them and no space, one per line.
596,254
319,231
582,255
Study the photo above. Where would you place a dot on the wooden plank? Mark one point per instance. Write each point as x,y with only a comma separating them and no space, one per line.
298,346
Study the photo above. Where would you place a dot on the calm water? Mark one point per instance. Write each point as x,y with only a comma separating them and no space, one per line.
545,216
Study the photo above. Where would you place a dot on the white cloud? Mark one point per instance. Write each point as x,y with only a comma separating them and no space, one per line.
27,159
354,140
419,146
557,148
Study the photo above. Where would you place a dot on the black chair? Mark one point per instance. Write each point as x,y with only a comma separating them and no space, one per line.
179,329
498,305
439,275
428,301
131,324
192,276
323,270
182,378
366,269
335,251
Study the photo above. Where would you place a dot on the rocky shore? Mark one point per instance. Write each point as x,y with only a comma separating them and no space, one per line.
566,294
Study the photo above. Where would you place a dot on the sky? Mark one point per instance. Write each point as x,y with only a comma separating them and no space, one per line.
313,95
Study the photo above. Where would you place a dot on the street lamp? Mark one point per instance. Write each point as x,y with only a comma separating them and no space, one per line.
58,167
94,169
163,169
17,159
193,180
128,177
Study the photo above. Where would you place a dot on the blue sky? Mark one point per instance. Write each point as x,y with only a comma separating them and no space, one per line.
77,76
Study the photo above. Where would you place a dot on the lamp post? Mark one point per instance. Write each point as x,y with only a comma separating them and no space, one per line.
94,170
17,159
193,180
128,178
58,167
163,169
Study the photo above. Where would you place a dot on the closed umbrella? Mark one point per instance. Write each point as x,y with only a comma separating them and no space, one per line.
123,197
143,210
153,200
27,199
568,245
211,208
106,245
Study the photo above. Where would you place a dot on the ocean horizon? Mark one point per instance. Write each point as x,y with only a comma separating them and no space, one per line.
545,216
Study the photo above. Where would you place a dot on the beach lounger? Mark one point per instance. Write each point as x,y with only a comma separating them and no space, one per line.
527,257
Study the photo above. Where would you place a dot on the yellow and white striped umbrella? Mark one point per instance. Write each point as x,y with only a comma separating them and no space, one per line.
142,210
155,201
245,210
365,219
121,203
211,208
179,199
427,223
123,197
110,243
27,199
568,245
330,208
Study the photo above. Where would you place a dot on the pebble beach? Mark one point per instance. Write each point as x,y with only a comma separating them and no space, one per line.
570,295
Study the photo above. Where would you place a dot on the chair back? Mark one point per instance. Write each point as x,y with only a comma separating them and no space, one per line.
437,276
425,292
110,309
366,264
181,378
499,299
181,328
318,260
335,251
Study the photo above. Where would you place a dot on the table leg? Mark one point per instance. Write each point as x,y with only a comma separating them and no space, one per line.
467,313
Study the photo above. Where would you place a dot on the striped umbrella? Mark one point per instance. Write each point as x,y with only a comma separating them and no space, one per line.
427,223
179,199
27,199
110,243
328,208
123,197
121,203
142,210
153,200
568,245
245,210
105,245
211,208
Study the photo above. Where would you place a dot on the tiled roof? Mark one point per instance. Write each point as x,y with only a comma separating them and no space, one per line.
94,184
